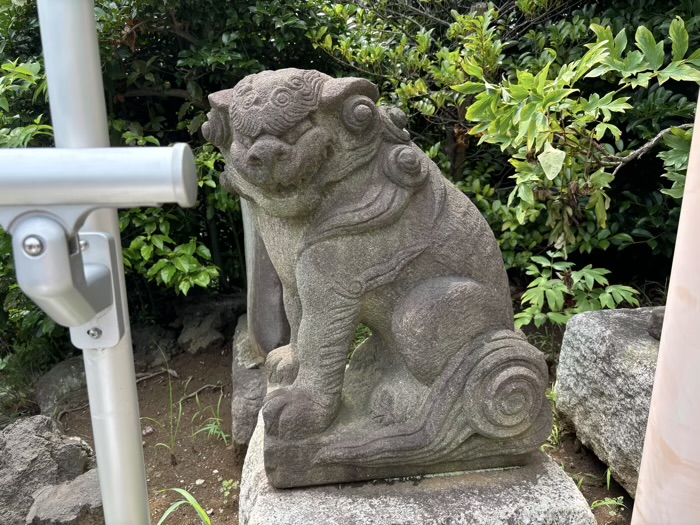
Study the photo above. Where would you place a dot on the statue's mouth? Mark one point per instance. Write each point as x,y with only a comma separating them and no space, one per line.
278,199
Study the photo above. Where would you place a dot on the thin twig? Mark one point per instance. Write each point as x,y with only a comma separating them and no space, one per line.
176,93
69,410
648,146
205,387
143,378
155,374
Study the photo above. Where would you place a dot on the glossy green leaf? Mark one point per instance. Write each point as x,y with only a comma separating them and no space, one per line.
679,38
551,160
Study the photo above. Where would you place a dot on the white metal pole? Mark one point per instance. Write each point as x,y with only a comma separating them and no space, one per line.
668,491
79,118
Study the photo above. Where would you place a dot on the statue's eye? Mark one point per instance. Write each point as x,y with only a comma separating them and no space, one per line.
298,131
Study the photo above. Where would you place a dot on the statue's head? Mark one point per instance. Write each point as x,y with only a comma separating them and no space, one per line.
288,134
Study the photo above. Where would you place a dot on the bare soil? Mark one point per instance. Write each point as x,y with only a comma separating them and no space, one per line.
590,474
199,457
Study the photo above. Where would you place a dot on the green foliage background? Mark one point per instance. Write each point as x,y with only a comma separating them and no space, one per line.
567,123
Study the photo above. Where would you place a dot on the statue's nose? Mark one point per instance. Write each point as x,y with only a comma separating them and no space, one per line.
266,153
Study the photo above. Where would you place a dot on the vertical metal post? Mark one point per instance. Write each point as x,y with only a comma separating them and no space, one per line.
79,118
668,491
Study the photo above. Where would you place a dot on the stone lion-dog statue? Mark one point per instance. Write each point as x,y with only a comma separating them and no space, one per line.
362,228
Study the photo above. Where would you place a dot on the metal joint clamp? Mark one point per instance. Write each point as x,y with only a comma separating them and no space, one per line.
73,276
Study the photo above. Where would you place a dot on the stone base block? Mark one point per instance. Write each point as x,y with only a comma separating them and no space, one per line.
539,493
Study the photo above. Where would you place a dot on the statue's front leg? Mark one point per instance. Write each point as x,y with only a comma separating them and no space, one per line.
325,335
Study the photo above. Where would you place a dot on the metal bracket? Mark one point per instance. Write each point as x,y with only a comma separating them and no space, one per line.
106,329
73,279
73,275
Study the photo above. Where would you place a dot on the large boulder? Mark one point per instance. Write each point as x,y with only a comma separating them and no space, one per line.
34,454
76,502
604,383
63,381
207,324
153,345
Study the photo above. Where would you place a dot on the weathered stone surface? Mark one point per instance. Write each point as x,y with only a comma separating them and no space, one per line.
34,454
268,327
153,345
656,322
539,493
201,333
206,324
76,502
63,380
604,383
248,385
361,227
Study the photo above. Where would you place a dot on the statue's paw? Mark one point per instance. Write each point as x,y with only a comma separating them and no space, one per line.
291,413
281,366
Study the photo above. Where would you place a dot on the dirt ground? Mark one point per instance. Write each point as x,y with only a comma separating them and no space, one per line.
204,463
591,477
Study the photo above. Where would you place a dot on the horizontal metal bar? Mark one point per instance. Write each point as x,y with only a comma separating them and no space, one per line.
110,177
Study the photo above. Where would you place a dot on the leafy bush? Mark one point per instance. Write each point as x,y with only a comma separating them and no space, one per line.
558,291
160,59
540,112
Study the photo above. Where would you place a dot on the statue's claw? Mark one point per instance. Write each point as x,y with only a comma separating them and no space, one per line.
291,412
281,366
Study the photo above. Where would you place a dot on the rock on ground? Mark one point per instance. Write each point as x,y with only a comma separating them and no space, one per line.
206,324
153,345
34,454
604,382
63,380
538,494
76,502
248,385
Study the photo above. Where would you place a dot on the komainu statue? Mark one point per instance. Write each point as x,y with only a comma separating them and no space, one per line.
361,227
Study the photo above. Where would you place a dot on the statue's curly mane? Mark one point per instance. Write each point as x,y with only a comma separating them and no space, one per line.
399,169
284,106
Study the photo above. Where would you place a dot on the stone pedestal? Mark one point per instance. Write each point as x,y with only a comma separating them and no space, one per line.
539,493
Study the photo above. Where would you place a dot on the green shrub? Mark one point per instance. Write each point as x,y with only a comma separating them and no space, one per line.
540,112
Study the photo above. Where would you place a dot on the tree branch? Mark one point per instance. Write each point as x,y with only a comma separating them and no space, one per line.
175,93
648,146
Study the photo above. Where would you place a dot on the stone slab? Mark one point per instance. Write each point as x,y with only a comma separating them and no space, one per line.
604,382
539,493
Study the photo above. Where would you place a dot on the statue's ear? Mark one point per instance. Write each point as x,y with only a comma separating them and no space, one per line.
338,89
221,99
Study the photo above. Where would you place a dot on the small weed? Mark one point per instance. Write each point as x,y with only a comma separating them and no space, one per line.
580,477
212,425
608,475
554,440
362,333
227,488
614,504
188,499
174,418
